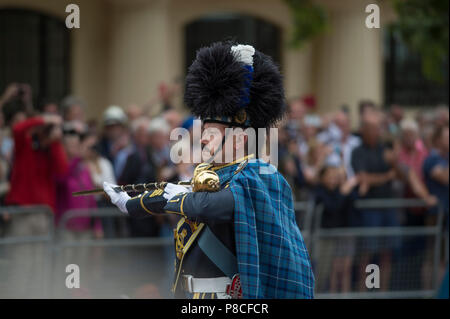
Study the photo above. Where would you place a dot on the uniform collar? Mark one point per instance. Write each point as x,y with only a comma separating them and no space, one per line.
215,168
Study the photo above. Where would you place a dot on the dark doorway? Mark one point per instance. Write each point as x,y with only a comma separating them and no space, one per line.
263,35
34,49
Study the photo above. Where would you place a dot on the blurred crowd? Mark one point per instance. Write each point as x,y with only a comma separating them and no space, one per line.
50,150
387,155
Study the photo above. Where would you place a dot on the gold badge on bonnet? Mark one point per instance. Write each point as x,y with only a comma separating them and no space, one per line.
240,117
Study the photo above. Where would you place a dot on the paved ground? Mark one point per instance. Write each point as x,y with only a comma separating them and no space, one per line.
34,271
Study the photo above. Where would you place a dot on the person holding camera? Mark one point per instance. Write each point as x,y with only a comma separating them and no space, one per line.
39,158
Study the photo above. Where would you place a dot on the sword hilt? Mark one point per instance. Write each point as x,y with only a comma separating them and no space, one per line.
140,187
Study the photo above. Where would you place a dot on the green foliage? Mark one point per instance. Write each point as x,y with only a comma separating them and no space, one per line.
423,26
309,20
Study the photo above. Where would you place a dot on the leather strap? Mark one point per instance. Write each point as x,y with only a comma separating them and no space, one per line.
218,253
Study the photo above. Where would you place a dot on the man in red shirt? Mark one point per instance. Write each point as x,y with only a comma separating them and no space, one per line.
39,157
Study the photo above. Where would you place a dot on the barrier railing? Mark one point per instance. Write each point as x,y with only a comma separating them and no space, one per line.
104,212
13,211
319,233
313,233
30,256
304,212
138,261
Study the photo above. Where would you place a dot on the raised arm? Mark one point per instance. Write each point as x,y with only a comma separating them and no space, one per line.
201,206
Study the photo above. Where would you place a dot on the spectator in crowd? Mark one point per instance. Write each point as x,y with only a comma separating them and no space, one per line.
4,189
18,96
296,110
289,141
342,142
335,193
5,158
292,123
77,178
115,144
425,121
49,106
313,151
5,161
4,178
159,131
6,141
72,109
442,116
15,106
436,175
314,161
139,168
365,106
409,161
39,158
375,177
394,118
412,149
309,129
289,162
435,167
407,157
167,92
101,170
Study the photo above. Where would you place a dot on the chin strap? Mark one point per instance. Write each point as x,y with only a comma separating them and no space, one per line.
209,161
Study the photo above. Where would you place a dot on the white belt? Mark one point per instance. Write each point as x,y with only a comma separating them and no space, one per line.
206,285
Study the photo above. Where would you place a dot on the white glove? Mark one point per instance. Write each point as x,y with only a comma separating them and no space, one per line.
173,189
117,198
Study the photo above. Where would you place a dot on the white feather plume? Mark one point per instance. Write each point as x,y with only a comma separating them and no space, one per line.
244,53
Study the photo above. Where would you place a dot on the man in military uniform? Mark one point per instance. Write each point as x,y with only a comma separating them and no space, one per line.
241,241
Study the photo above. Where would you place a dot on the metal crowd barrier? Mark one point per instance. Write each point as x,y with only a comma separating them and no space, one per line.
310,228
403,231
22,210
21,246
137,261
305,211
104,212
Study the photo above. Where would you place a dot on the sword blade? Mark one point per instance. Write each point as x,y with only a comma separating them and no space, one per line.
89,192
129,188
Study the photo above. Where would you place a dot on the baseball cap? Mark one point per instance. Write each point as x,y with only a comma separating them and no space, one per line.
114,115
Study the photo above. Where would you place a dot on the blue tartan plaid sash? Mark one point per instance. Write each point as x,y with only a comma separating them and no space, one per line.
272,258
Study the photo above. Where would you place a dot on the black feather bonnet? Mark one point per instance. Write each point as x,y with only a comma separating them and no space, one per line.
222,87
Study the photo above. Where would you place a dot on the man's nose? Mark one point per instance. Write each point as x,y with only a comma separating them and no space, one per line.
205,139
